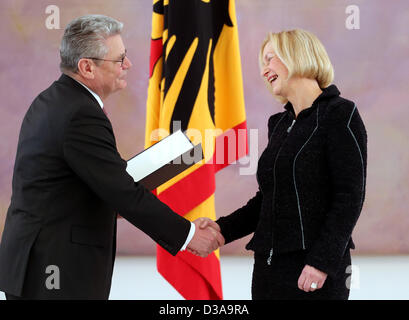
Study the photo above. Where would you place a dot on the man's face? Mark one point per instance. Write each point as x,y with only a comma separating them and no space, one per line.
109,75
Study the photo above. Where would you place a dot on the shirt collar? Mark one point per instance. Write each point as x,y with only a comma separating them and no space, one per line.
101,104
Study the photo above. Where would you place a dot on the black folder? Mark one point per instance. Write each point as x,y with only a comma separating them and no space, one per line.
164,160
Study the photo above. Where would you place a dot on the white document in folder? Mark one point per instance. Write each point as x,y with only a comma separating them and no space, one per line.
161,153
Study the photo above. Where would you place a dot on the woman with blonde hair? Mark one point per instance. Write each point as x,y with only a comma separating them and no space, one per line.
311,177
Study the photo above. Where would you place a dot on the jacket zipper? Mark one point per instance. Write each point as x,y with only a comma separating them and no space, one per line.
274,193
290,127
269,257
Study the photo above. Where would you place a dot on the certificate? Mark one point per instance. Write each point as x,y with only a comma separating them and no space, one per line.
164,160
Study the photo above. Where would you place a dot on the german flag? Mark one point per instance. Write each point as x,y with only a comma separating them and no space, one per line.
195,85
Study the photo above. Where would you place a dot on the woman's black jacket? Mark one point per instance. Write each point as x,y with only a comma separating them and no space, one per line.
311,184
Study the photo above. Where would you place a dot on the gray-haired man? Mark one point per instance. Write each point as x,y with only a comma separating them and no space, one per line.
69,179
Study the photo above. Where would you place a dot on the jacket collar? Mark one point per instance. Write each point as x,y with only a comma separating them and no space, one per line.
327,93
73,83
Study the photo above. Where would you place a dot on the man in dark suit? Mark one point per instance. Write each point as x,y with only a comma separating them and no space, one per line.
69,180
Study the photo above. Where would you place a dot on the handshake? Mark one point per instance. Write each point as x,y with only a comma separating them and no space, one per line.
206,239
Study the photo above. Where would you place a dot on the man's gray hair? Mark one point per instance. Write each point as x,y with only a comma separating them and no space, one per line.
85,37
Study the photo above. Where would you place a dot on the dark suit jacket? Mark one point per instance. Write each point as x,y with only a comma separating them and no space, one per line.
312,178
68,182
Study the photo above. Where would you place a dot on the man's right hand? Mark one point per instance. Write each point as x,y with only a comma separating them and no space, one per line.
207,237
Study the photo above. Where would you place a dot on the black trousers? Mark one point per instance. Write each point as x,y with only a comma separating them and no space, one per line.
279,281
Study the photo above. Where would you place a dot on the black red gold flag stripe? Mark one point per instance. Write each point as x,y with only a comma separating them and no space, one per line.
195,85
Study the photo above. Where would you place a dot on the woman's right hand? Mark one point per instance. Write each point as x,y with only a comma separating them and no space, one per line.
207,222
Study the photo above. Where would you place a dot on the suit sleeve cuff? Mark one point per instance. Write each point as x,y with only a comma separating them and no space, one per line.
189,236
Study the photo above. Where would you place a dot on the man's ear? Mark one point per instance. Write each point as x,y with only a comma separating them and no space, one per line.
86,68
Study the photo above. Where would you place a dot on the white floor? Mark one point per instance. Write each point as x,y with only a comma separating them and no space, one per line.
375,278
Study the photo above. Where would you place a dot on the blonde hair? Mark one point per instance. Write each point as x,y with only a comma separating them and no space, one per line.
303,54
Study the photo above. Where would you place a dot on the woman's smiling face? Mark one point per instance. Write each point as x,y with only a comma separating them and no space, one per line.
274,71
